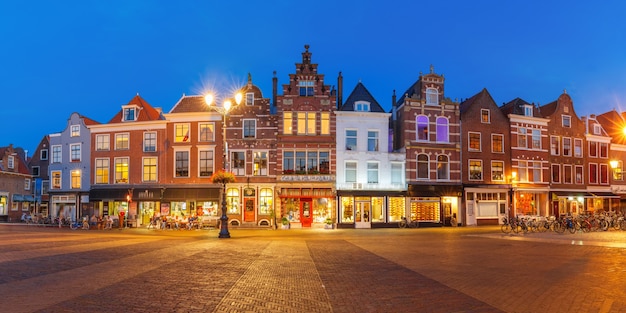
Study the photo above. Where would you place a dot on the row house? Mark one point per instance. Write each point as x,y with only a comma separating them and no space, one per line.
427,128
128,159
15,184
485,159
38,166
614,124
305,149
250,154
370,179
69,169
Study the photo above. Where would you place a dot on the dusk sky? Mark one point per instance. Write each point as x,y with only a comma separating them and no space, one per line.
91,57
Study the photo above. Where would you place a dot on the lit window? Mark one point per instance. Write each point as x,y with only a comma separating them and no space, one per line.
181,133
232,201
75,130
121,170
238,163
422,127
485,116
249,128
325,123
122,141
260,163
473,141
150,169
497,170
75,179
475,170
56,179
287,123
497,143
442,129
306,123
102,171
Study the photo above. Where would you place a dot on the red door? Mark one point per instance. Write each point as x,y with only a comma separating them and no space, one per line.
248,214
306,214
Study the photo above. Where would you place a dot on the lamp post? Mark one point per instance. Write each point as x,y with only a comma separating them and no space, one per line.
223,110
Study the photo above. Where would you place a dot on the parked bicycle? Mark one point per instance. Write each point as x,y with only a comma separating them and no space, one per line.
404,223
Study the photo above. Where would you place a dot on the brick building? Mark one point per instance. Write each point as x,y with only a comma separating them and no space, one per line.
15,184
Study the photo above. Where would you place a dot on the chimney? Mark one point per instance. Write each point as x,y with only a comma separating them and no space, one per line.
339,90
274,89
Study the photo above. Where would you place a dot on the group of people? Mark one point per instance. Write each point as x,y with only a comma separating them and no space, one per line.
102,222
175,222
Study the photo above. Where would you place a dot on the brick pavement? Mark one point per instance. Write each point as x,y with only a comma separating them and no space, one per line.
391,270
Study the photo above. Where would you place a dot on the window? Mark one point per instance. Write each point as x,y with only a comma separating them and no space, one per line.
521,137
122,141
372,172
129,114
232,201
579,174
617,171
497,143
238,163
312,162
442,129
567,174
604,150
207,132
306,87
306,123
205,163
604,174
475,170
325,123
593,173
578,148
351,172
287,123
362,106
528,110
497,170
260,163
372,140
423,170
593,149
149,141
537,172
249,98
11,161
442,167
56,154
597,129
149,169
182,164
75,152
103,142
75,179
301,162
485,116
522,170
556,173
567,146
27,184
43,154
422,127
121,170
35,171
102,171
265,201
351,136
249,128
536,137
288,162
473,141
181,133
324,160
566,121
56,179
432,96
74,130
397,173
555,145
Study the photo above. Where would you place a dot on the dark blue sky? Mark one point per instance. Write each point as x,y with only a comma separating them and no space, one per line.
92,57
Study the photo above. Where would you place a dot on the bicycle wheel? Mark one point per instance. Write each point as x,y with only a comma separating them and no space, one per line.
560,227
572,229
505,228
74,226
402,224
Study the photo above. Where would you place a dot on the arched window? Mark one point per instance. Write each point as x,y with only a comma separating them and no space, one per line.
432,96
422,167
442,129
232,201
422,127
442,167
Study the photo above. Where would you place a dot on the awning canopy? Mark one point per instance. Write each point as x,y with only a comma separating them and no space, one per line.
435,190
575,194
605,195
18,198
29,198
108,194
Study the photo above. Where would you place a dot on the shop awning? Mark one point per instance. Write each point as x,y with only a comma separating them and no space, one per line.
108,194
18,198
29,198
184,194
574,194
605,195
435,190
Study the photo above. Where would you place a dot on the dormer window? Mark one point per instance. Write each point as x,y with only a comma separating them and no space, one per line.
249,98
528,110
306,87
567,121
130,114
597,129
432,96
362,106
11,162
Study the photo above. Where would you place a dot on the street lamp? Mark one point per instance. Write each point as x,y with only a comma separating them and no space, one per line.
223,110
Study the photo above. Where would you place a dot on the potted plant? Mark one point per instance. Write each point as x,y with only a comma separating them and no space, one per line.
285,222
329,223
223,177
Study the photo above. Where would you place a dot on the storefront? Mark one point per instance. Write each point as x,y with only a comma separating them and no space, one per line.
486,206
306,207
250,205
370,209
583,202
434,205
4,206
183,202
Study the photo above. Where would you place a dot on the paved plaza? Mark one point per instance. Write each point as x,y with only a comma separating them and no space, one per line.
466,269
